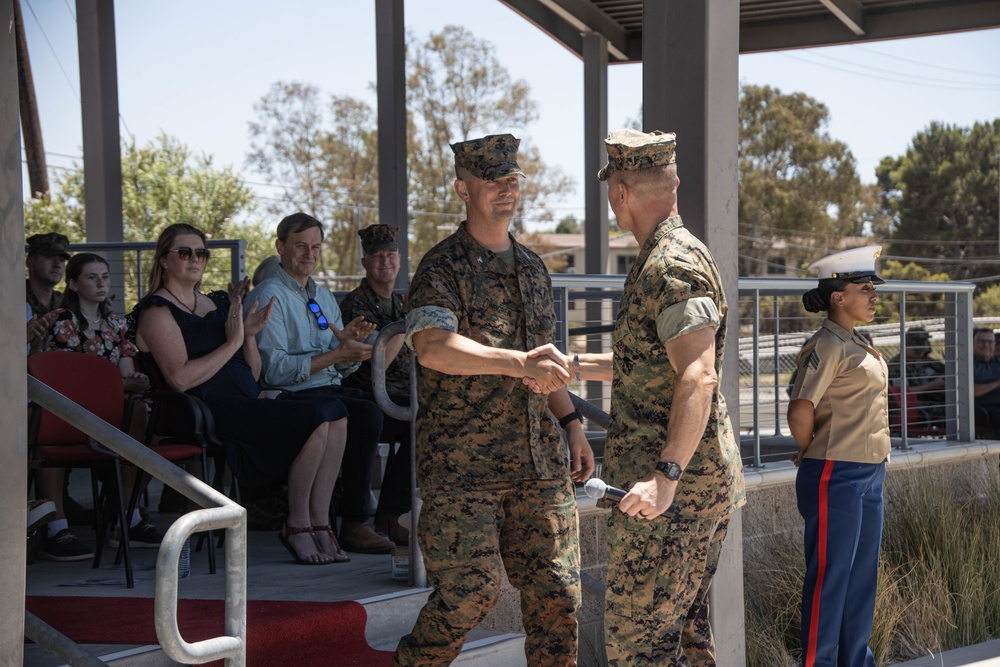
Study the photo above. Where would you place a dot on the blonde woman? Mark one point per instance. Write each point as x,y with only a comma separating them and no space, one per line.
205,345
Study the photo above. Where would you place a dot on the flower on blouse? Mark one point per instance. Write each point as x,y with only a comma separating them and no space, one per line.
64,332
94,346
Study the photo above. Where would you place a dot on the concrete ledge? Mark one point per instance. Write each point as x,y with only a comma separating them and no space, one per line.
980,655
777,474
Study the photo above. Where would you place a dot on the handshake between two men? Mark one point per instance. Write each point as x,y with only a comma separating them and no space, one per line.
546,369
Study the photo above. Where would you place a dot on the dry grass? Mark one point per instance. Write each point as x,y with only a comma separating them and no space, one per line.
939,582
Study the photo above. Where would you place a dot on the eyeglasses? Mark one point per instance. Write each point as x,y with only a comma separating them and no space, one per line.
318,312
185,252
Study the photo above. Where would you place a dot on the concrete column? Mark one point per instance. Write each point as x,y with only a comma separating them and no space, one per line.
390,42
13,369
595,129
102,161
690,85
102,167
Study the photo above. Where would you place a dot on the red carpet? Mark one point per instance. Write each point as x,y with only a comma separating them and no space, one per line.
305,634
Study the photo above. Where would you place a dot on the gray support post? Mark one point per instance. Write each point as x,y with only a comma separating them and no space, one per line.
102,166
102,161
690,85
962,344
595,129
390,46
13,368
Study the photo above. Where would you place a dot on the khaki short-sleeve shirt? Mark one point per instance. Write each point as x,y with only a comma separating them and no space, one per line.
846,380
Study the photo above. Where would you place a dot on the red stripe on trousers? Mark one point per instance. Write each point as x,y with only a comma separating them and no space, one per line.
824,510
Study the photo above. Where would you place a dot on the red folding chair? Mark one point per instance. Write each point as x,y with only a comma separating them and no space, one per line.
95,384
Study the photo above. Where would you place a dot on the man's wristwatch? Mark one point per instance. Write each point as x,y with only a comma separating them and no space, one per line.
670,470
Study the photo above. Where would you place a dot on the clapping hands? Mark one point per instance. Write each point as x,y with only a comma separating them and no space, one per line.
357,329
256,319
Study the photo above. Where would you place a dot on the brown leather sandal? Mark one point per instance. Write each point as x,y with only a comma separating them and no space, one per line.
341,555
287,530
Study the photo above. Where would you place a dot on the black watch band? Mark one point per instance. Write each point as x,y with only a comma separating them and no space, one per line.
670,470
564,421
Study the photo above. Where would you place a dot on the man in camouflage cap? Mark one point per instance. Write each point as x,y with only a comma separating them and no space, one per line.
496,485
681,466
375,299
46,262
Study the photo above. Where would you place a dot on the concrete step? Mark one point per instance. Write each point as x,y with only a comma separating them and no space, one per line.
392,616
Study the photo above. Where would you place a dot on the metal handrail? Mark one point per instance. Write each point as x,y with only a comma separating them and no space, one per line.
379,365
418,573
218,512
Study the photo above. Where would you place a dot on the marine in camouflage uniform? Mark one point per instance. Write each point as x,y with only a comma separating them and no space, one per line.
496,488
660,569
381,310
42,247
375,300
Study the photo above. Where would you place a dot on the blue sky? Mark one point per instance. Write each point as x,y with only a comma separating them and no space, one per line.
195,68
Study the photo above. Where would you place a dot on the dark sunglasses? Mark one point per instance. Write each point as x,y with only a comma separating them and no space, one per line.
318,312
185,252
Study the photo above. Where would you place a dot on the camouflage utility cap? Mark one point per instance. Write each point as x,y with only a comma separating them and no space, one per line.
52,244
632,149
490,158
378,237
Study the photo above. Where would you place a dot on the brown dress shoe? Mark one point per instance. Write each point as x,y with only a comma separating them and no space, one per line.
359,537
391,527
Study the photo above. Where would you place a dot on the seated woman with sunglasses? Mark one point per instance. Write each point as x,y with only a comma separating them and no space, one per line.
204,345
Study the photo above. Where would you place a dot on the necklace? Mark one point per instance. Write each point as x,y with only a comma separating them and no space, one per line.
177,299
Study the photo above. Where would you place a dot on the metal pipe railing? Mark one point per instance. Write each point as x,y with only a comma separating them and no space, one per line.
58,644
418,573
220,512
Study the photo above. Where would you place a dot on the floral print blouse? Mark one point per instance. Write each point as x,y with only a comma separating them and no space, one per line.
64,334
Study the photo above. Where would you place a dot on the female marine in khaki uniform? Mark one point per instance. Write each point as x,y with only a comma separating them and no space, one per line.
839,416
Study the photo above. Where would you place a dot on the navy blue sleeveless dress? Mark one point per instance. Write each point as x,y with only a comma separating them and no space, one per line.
262,436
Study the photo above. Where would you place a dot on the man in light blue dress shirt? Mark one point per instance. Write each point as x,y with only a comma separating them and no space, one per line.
305,347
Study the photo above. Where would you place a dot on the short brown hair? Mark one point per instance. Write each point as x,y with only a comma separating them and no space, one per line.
297,222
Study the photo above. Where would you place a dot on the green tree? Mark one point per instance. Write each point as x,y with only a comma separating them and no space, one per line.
162,183
942,195
326,163
568,225
987,303
929,304
796,183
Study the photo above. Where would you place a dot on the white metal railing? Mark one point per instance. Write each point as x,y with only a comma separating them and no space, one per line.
219,512
773,326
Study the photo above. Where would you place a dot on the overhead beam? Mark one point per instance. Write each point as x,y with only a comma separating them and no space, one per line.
567,28
887,24
849,12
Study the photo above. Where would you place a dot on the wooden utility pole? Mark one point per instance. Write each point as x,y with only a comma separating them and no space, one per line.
31,127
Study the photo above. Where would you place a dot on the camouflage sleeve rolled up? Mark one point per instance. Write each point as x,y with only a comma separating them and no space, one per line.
429,317
687,317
